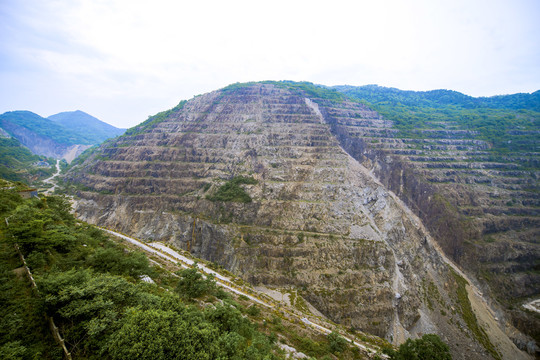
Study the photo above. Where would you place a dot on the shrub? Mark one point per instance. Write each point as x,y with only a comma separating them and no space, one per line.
429,347
337,342
231,190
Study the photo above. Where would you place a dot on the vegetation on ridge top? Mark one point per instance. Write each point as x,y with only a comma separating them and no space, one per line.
511,123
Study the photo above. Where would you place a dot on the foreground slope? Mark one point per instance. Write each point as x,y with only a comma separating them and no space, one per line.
253,177
102,300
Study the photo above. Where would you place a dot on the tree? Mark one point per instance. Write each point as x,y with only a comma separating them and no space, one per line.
163,334
193,285
429,347
337,342
115,261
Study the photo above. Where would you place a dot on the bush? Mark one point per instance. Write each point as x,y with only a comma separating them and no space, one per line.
429,347
337,342
253,310
231,190
193,285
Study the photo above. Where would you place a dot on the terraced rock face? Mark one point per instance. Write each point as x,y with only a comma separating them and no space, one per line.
314,218
479,198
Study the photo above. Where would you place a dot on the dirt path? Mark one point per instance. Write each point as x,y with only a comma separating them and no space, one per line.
51,179
169,254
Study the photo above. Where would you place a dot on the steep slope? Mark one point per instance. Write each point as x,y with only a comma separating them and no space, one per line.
474,164
81,122
252,177
49,138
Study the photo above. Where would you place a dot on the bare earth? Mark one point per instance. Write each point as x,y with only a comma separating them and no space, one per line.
497,337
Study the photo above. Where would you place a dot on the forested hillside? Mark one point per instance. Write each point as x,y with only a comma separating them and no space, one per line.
17,163
66,136
44,127
83,123
105,306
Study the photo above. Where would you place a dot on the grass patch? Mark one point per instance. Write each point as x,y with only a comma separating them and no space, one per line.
469,316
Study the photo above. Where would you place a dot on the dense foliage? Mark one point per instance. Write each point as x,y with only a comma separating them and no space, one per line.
441,98
232,191
92,289
45,128
17,163
428,347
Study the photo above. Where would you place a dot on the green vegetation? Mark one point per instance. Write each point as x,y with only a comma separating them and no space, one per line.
468,315
336,342
193,285
82,123
17,163
154,120
232,191
441,98
429,347
45,128
311,90
510,123
91,287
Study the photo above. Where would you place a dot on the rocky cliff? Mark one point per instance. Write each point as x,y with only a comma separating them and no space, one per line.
470,172
260,179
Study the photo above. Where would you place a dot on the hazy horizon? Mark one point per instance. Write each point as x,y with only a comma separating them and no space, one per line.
121,61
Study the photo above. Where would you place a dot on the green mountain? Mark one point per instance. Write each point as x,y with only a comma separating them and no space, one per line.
17,163
82,123
441,98
12,120
65,136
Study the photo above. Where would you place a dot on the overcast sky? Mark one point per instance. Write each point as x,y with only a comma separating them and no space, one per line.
123,60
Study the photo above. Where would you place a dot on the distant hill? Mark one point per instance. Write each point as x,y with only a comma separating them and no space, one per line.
509,123
82,123
64,136
17,163
440,98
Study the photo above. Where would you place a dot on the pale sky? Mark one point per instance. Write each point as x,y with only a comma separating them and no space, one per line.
123,60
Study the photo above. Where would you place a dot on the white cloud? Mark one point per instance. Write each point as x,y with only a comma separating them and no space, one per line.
122,60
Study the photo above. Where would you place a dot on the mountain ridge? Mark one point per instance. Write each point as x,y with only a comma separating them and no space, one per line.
66,137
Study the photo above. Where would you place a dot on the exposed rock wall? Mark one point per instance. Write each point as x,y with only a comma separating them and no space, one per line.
483,213
319,220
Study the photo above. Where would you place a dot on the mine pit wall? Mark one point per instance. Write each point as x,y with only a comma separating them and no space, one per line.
323,268
450,229
351,279
438,215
